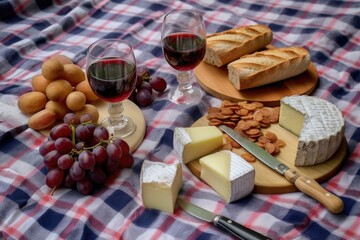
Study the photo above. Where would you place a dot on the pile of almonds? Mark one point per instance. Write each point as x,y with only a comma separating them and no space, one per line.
249,119
59,89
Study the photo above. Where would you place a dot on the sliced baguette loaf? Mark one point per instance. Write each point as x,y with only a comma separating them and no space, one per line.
268,66
225,47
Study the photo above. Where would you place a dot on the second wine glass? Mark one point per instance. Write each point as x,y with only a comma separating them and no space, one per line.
183,41
111,71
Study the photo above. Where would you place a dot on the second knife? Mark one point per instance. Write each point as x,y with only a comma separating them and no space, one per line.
221,222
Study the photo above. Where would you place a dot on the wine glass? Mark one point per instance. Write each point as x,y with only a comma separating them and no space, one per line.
183,40
111,71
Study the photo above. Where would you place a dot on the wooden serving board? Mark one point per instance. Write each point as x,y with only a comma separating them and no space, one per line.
267,180
215,81
134,112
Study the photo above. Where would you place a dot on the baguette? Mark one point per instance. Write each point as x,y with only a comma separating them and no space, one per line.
268,66
227,46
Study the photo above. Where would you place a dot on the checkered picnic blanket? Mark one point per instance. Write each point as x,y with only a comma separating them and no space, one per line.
32,31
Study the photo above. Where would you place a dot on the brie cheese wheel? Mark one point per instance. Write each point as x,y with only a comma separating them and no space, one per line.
228,174
160,185
195,142
319,125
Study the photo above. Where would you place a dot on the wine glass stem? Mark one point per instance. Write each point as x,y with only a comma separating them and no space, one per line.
185,81
116,118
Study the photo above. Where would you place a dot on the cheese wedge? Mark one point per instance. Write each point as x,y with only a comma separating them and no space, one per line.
319,125
160,185
228,174
193,143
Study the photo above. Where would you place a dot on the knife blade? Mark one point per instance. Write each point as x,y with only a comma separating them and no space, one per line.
221,222
305,184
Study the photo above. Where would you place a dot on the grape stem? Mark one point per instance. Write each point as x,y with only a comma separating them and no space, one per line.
73,127
75,152
52,191
73,137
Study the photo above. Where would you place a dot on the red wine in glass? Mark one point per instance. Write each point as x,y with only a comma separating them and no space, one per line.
183,39
111,72
112,79
184,51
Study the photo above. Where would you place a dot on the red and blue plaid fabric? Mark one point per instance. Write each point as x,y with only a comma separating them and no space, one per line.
32,31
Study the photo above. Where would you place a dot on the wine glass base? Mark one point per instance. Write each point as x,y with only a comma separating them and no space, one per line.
187,97
118,129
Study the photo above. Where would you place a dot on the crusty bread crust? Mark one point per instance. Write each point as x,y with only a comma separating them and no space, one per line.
227,46
268,66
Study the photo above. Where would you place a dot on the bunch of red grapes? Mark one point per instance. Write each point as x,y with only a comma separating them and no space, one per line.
145,84
81,154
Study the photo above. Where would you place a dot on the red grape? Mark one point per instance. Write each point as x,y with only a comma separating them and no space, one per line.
145,85
126,161
101,133
91,141
46,147
51,158
158,84
91,127
100,154
143,97
65,162
76,172
69,182
80,146
86,159
61,130
86,118
54,178
97,175
112,165
83,133
114,151
71,119
124,145
64,145
143,74
84,186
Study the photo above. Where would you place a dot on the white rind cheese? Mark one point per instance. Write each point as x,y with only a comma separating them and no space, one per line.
160,185
228,174
319,125
193,143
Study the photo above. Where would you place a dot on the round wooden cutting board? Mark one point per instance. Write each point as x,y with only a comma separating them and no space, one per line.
267,180
215,81
134,112
131,110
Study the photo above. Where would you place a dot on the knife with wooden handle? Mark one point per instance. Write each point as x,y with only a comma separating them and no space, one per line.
305,184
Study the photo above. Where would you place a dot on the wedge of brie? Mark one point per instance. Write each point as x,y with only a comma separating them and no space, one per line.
228,174
319,125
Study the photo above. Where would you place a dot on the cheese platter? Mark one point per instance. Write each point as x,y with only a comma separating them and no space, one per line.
269,182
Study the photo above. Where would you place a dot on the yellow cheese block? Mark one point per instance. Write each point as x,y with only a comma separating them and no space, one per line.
193,143
160,185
